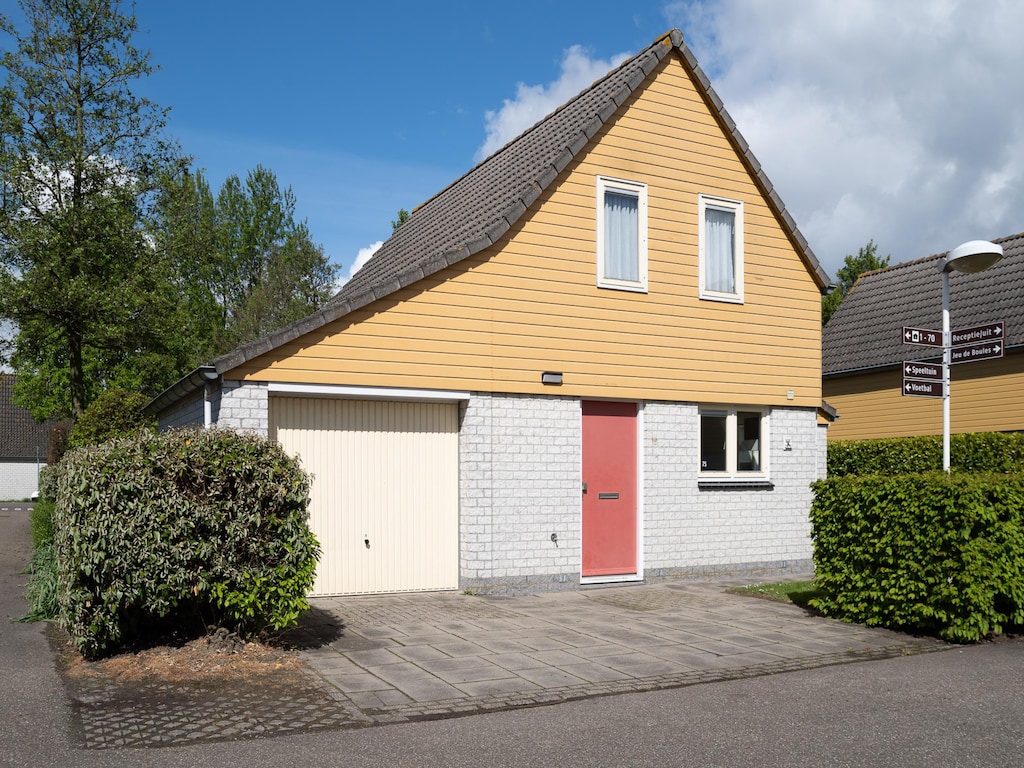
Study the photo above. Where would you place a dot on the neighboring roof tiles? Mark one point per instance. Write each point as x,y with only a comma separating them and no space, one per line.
474,212
865,332
21,437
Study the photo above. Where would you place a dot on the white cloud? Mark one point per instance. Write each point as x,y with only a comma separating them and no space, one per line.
533,102
898,122
362,257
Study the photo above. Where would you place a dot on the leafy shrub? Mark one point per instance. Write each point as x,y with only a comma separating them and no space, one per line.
202,526
928,552
974,452
58,442
42,523
47,482
41,590
115,413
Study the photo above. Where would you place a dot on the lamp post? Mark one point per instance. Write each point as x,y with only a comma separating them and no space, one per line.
969,258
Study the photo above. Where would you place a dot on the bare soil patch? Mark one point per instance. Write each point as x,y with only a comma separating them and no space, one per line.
203,660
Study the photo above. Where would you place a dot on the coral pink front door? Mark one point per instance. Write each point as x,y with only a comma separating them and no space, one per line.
609,489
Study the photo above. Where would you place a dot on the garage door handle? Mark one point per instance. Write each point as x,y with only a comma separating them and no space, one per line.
607,495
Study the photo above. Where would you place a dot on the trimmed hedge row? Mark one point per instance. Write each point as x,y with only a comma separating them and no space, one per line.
206,526
974,452
930,552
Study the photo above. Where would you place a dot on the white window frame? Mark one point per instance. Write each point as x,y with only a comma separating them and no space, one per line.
731,471
705,202
639,191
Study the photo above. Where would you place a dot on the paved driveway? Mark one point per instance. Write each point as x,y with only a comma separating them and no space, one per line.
415,656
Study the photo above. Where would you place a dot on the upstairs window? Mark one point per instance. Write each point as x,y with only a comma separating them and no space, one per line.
721,249
621,234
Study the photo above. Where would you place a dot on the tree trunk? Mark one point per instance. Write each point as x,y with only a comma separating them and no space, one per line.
77,374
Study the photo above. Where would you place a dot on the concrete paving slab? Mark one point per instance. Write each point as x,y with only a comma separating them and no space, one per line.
503,686
593,672
639,664
482,653
513,661
550,677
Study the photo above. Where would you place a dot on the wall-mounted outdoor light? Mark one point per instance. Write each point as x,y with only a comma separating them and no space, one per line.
550,377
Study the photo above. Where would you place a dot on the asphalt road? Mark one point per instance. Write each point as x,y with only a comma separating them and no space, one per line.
957,708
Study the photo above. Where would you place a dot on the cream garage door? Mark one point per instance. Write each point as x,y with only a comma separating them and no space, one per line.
384,500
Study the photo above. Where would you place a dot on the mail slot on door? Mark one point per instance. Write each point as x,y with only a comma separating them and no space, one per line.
607,495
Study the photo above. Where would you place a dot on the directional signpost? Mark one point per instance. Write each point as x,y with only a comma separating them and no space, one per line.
922,379
983,342
922,336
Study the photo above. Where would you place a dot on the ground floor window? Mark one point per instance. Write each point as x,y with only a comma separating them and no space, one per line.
732,442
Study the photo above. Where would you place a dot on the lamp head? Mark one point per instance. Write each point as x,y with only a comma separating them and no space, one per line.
970,257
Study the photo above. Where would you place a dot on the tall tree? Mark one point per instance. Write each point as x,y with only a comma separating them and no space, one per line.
251,266
853,267
79,154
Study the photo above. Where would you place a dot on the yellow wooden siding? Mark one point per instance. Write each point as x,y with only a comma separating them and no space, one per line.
985,396
495,321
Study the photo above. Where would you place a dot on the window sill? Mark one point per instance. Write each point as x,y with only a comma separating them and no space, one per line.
733,484
725,298
631,287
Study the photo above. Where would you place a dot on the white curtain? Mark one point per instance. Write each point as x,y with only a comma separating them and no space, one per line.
719,250
621,237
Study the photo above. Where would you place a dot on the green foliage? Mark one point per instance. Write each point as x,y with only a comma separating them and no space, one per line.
41,522
79,153
247,266
59,435
866,260
403,216
206,526
925,552
972,452
115,413
41,590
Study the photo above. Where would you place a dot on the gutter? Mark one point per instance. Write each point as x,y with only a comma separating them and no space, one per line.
202,377
935,358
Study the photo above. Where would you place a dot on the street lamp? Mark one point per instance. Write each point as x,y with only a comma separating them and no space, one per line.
969,258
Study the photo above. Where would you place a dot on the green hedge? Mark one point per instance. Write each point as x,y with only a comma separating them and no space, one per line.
201,526
930,552
974,452
114,413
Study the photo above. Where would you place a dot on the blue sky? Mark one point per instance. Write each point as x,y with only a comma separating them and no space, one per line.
898,122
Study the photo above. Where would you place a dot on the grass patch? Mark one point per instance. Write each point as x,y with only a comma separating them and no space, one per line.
796,592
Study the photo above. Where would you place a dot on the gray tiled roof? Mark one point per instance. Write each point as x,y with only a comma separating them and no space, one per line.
476,210
865,332
20,436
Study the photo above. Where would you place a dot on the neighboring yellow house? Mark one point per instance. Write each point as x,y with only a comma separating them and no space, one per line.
594,357
863,352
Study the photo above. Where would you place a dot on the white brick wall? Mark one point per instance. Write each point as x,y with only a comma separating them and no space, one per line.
520,482
689,530
520,463
243,406
18,479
